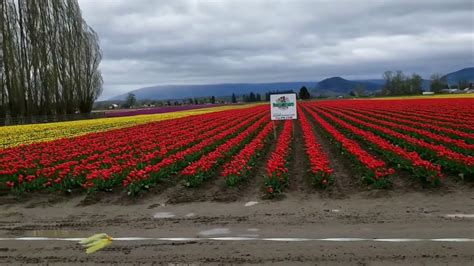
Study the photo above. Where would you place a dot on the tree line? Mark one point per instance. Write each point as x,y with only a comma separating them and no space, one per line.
50,62
397,83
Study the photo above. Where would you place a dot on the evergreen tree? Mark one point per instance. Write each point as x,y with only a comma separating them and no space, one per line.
131,100
252,97
304,93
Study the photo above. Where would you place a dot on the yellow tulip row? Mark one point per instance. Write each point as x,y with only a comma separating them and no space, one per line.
11,136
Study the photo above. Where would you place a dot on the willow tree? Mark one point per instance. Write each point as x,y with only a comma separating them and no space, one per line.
50,58
2,87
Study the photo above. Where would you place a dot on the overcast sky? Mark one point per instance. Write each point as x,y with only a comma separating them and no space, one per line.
155,42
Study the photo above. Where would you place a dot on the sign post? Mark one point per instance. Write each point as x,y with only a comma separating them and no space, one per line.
283,107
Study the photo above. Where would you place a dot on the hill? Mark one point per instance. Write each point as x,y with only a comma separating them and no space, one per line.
340,85
463,74
218,90
328,87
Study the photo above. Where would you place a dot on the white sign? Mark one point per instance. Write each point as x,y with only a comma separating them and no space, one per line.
283,106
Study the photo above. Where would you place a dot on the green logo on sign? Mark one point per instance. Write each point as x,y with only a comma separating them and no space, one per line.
283,103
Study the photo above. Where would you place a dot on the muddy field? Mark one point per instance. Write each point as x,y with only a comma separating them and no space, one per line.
349,209
300,215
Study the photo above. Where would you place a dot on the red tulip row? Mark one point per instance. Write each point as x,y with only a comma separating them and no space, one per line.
318,161
447,110
277,166
407,119
140,179
199,171
410,161
53,171
448,121
423,114
103,159
459,145
87,149
456,115
171,146
375,171
239,167
448,159
49,154
460,136
452,109
433,120
137,155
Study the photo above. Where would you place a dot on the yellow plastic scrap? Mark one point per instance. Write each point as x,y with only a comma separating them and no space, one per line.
96,242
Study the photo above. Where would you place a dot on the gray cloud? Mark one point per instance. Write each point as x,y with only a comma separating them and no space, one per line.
148,42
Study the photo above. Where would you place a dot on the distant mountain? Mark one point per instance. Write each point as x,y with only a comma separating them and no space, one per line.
330,87
379,82
218,90
463,74
340,85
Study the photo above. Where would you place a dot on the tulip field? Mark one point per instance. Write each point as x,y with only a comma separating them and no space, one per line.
25,134
428,141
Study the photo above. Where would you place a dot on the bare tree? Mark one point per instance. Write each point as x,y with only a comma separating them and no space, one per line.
437,83
51,58
2,83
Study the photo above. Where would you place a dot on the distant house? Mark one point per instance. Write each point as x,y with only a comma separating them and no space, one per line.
113,106
452,91
428,93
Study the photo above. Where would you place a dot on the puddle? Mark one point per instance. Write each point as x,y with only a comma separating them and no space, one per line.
189,215
249,236
287,239
55,233
233,238
163,215
251,203
460,215
215,231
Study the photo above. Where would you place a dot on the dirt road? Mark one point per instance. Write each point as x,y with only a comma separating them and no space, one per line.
301,214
